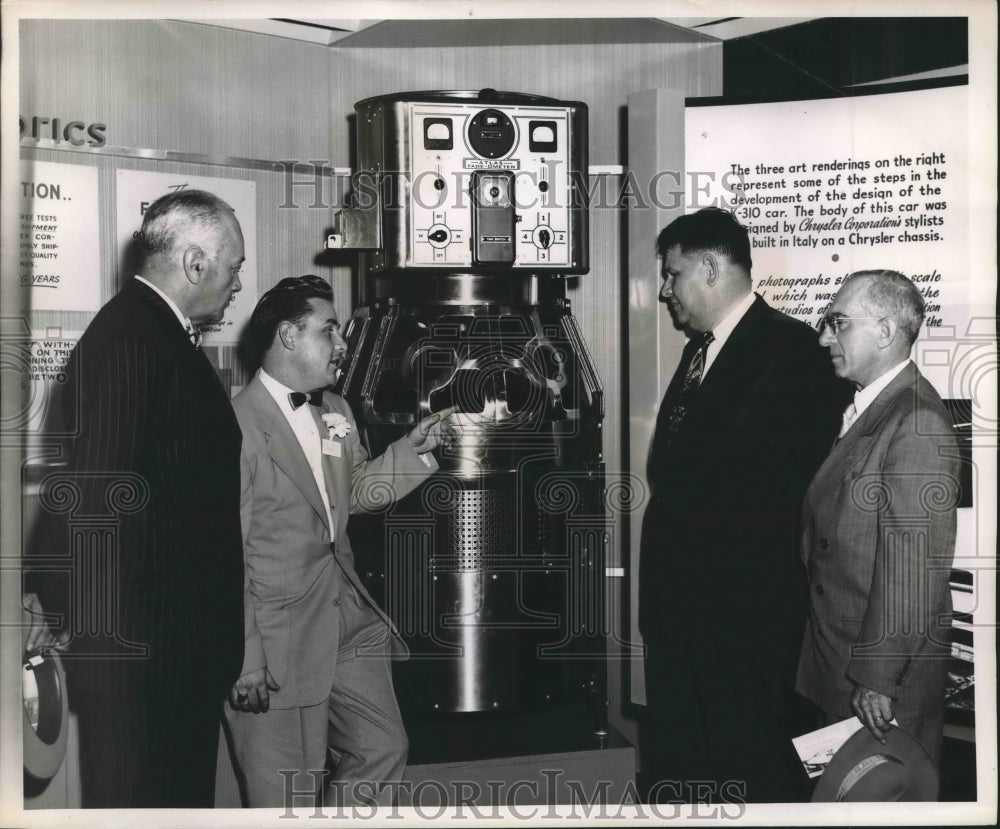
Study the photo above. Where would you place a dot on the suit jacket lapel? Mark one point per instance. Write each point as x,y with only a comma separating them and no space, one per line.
198,366
330,479
727,360
871,420
283,446
845,452
854,445
733,352
661,434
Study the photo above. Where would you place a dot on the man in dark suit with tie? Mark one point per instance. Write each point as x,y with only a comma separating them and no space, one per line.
749,415
316,669
143,558
879,519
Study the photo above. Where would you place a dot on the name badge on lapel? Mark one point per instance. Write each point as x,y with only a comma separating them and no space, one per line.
332,447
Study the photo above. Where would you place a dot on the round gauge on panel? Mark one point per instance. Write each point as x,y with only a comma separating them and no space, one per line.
491,134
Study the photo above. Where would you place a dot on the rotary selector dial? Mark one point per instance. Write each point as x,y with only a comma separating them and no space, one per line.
439,235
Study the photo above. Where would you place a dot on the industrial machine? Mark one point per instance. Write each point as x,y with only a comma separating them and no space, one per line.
470,210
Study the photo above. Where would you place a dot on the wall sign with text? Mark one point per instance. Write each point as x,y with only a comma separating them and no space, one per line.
63,131
59,240
833,186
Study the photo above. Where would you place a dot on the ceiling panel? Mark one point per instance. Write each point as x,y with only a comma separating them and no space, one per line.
509,31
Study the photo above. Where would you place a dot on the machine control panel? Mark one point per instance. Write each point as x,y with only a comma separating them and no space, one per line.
470,183
494,183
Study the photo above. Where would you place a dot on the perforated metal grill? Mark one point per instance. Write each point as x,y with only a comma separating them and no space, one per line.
481,527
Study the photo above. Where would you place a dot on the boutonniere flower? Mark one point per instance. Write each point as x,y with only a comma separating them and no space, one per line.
338,425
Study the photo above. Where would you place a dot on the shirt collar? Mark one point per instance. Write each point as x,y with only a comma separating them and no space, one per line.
863,398
278,390
185,322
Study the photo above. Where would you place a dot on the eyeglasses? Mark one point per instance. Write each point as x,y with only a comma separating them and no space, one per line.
837,323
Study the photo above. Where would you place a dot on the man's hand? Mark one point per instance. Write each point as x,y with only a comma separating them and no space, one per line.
250,693
432,431
39,636
875,710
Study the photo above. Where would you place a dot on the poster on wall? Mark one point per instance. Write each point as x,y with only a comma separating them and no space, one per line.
59,240
137,189
832,186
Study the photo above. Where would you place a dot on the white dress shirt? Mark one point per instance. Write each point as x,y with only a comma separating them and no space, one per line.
307,433
722,331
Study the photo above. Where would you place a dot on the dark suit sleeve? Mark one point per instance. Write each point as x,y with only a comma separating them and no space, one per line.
777,438
115,396
808,402
914,498
118,400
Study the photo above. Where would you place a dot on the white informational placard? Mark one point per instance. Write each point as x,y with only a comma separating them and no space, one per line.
59,252
838,185
833,186
137,189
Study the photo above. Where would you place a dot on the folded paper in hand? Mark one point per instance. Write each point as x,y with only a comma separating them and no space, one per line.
816,749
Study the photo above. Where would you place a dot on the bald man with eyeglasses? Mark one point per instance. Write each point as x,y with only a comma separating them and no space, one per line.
879,524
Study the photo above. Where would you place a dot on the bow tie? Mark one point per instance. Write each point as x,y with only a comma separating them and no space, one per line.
297,398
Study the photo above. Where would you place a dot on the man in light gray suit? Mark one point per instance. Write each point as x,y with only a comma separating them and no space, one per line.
315,670
879,525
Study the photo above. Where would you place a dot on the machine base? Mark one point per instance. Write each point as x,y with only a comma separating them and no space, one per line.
541,758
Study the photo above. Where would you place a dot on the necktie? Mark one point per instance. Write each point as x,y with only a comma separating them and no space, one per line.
193,333
298,398
850,415
690,383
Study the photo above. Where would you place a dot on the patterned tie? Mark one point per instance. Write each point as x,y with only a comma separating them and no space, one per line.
194,334
690,383
299,398
850,415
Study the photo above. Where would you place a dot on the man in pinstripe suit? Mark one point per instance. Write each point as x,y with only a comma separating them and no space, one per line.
151,597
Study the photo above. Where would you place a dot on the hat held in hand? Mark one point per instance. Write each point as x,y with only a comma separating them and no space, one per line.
865,771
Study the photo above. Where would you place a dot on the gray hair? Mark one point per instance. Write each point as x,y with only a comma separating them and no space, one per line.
894,295
179,214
